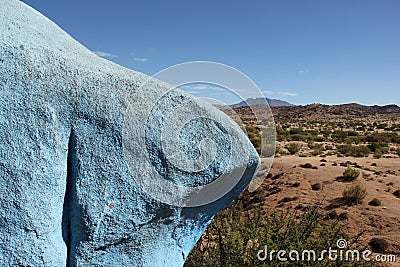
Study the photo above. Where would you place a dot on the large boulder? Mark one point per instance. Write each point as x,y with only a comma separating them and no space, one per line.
78,155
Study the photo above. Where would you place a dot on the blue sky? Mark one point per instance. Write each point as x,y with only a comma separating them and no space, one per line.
304,52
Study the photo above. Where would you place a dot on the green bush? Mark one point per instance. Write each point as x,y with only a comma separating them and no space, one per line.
378,245
374,202
311,144
281,135
354,151
293,148
296,131
350,174
354,194
329,147
306,165
320,139
251,129
256,141
341,136
375,146
378,154
235,236
298,137
383,138
316,187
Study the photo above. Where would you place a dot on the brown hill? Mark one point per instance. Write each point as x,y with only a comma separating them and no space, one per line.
318,111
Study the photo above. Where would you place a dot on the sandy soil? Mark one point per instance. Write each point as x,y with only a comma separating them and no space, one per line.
380,182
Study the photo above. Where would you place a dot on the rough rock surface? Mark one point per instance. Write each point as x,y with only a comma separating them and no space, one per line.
67,194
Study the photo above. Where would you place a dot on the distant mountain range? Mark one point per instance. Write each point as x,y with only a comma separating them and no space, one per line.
319,111
286,110
260,101
331,111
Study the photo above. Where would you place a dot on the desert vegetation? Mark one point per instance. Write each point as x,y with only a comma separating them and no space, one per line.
239,232
334,176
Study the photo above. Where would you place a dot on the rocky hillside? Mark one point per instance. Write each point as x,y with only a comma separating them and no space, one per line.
317,111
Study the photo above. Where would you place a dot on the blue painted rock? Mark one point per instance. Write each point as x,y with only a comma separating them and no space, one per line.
88,174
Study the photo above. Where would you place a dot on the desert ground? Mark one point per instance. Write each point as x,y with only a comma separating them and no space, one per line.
343,161
293,187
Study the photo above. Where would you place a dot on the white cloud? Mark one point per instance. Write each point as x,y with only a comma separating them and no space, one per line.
192,92
280,93
302,72
287,93
104,54
140,59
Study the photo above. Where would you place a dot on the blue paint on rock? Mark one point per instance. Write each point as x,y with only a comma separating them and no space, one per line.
67,195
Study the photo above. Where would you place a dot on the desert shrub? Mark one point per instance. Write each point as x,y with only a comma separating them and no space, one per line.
332,215
382,126
293,148
306,165
352,133
235,236
398,151
378,245
343,216
383,137
295,184
281,135
350,174
316,186
354,140
329,147
361,128
312,132
298,137
354,151
256,141
341,136
374,202
311,144
396,193
376,146
318,150
288,199
251,129
294,131
326,132
320,139
279,150
354,194
378,154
